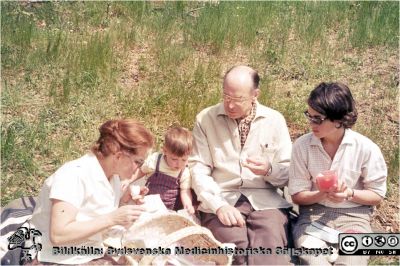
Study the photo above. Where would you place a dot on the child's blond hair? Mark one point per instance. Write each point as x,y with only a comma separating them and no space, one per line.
178,141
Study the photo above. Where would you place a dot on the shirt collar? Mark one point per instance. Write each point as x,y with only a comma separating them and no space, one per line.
97,170
347,138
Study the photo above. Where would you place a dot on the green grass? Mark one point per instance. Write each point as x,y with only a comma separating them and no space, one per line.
69,66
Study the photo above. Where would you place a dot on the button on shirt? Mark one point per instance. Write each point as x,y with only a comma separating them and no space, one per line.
83,184
358,162
217,175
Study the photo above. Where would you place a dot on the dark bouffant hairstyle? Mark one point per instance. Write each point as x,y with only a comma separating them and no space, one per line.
334,100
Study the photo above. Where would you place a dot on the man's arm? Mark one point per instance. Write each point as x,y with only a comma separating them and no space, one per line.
207,190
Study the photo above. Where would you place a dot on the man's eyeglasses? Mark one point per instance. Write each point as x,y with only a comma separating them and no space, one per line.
232,99
318,120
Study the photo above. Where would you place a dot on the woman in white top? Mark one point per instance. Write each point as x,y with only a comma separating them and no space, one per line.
345,206
79,202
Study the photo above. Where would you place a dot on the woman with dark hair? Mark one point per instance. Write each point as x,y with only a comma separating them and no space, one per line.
80,201
336,175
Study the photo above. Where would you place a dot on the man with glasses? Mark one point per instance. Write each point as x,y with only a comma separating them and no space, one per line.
240,159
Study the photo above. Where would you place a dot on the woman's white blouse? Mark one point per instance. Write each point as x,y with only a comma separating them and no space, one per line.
83,184
358,162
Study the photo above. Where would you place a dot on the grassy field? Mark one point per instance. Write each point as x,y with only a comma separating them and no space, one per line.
67,67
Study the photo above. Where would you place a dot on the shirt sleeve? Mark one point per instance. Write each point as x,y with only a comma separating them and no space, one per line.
374,171
186,179
299,176
279,175
204,185
68,186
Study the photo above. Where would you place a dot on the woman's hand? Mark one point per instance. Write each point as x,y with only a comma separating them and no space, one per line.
125,183
309,197
139,199
126,215
339,194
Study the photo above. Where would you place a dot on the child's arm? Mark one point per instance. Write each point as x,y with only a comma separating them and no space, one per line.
186,198
125,187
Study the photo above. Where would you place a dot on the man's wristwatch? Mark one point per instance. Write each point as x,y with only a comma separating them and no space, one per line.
270,170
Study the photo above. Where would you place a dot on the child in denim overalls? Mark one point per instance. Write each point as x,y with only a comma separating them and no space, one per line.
167,173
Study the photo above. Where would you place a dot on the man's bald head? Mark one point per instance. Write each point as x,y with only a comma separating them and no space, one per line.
240,91
242,76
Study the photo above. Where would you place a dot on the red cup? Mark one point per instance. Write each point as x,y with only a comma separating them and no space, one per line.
327,180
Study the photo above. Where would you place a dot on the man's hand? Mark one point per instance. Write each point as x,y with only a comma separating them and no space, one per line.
257,165
230,216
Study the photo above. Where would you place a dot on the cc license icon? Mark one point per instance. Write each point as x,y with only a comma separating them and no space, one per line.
380,241
349,244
